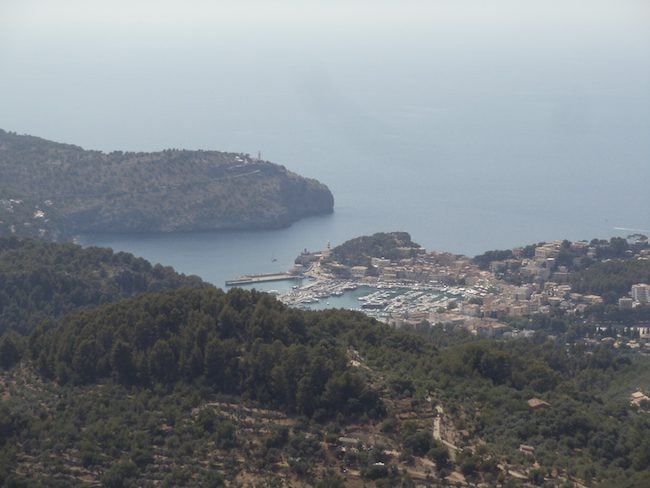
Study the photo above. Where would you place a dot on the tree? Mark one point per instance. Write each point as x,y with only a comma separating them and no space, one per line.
162,362
439,454
9,353
118,474
330,480
84,361
122,362
419,443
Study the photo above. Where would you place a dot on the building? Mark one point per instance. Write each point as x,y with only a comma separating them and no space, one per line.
526,449
545,251
523,293
358,271
380,262
537,403
637,397
641,293
625,303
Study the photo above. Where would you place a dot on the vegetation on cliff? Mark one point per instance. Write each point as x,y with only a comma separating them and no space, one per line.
65,190
387,245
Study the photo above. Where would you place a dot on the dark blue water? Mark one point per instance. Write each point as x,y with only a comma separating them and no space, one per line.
473,128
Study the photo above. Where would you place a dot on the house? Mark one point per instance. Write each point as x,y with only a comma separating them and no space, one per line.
358,271
637,397
538,404
526,449
641,293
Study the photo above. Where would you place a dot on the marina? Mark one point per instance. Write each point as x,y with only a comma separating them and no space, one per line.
386,301
406,289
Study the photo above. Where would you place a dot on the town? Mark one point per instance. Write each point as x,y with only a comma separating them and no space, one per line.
484,295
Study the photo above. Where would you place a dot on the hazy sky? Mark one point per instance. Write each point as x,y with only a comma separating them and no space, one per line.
480,107
174,11
164,22
63,58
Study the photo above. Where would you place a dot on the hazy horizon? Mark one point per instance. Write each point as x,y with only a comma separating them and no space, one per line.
471,125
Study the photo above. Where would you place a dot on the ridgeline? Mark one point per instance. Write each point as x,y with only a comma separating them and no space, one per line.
42,281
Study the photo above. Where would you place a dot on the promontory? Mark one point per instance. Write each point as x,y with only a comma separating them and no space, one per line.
55,190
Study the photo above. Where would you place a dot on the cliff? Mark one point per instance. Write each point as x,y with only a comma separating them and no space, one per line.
56,190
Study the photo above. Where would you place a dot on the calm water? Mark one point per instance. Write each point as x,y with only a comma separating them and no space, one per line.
472,127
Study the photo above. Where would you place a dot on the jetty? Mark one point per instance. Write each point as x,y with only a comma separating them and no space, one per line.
262,278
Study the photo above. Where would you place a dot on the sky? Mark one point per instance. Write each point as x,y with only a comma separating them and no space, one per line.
506,99
56,55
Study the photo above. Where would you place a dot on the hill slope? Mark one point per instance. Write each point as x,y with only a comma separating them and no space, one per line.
43,281
206,388
64,190
202,388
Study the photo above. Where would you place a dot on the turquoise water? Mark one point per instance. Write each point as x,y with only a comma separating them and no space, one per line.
471,126
348,300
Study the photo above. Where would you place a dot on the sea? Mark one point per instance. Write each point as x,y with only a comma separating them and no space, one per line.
471,125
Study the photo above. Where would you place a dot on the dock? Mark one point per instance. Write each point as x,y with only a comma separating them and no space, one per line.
262,278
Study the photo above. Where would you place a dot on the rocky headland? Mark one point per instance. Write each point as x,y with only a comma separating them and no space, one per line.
55,191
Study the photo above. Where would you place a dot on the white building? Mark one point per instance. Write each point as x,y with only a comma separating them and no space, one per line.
641,293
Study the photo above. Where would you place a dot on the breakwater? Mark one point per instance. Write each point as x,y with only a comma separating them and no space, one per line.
262,278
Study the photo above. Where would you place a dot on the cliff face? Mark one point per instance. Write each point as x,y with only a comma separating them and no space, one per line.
75,191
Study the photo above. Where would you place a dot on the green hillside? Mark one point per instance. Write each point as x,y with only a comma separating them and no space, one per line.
41,281
57,190
131,375
206,388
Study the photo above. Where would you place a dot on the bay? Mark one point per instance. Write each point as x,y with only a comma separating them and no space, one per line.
471,127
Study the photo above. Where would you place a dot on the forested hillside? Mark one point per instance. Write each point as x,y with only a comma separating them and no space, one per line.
57,190
239,343
117,373
613,276
359,251
41,281
205,388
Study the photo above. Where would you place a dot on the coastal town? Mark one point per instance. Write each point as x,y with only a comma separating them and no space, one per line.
483,295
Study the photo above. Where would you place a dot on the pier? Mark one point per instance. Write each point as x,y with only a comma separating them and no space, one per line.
262,278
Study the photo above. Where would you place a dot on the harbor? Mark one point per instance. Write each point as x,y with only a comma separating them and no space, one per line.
386,301
381,299
412,287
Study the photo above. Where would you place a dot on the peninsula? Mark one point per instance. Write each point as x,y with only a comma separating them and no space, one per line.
53,190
